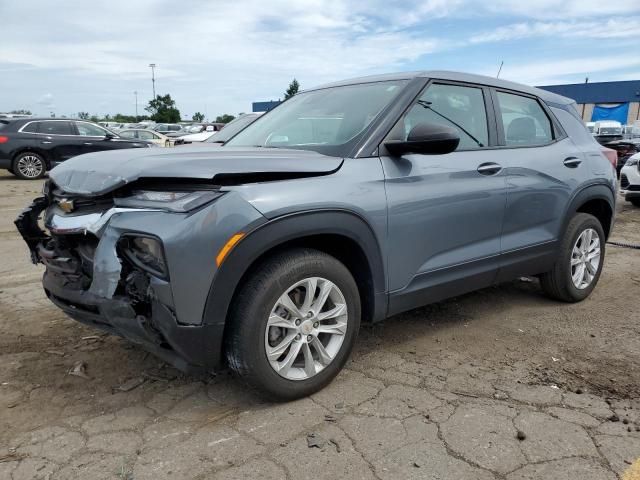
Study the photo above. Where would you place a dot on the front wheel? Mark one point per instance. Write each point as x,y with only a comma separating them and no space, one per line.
294,324
29,166
580,260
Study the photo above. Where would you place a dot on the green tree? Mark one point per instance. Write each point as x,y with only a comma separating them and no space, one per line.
83,115
94,118
21,112
294,86
163,109
198,117
226,118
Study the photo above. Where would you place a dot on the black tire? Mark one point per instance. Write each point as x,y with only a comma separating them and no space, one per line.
557,283
245,340
36,160
635,202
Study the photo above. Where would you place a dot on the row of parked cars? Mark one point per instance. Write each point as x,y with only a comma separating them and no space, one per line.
29,147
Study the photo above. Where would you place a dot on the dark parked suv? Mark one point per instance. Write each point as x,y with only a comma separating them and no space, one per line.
31,146
347,203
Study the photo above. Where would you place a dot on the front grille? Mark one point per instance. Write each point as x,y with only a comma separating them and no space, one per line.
624,182
84,204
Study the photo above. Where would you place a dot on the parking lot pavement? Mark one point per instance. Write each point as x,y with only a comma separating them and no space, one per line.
498,384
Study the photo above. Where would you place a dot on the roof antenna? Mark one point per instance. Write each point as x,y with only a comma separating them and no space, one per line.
500,69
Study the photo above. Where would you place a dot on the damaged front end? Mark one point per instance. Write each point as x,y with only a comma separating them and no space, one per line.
110,275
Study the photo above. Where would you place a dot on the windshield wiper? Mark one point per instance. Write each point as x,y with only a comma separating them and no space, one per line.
427,105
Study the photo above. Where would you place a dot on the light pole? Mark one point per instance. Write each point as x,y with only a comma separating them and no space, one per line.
136,95
153,78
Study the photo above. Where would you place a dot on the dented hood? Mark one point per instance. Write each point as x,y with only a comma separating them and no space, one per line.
102,172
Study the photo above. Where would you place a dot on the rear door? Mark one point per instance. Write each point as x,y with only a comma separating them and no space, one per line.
543,168
445,212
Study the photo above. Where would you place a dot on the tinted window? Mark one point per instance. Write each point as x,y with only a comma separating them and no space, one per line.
89,130
31,127
524,121
55,128
454,106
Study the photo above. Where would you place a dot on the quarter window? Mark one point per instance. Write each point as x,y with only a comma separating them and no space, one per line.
55,128
89,130
524,121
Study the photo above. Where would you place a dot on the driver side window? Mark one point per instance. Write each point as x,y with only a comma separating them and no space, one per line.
90,130
455,106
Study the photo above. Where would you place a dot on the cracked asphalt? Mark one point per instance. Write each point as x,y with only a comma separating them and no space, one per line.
497,384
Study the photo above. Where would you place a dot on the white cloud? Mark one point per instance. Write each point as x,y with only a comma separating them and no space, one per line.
556,71
561,9
618,27
224,54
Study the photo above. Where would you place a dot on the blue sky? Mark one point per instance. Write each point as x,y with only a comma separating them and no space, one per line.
217,56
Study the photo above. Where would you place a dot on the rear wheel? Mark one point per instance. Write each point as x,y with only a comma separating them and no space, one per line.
580,260
294,324
29,166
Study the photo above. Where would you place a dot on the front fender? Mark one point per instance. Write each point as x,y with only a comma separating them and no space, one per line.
279,231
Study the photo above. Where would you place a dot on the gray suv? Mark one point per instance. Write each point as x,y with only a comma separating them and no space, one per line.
346,204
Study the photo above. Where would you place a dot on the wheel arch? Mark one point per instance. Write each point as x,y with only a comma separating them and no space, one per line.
340,233
597,200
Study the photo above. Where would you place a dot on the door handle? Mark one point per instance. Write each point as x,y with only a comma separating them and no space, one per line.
572,162
88,143
489,168
45,141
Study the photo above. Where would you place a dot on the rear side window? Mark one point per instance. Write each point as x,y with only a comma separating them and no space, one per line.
524,121
455,106
55,128
31,127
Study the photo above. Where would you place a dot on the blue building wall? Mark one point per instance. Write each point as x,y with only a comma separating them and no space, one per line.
599,92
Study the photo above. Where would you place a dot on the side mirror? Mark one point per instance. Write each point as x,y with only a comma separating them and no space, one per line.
109,136
426,138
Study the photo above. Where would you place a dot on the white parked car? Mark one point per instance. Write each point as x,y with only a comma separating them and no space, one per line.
149,135
630,180
197,137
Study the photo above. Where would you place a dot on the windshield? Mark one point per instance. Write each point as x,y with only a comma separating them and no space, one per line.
328,121
232,128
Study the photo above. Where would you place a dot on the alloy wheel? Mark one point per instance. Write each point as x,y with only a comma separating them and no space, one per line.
30,166
306,328
585,258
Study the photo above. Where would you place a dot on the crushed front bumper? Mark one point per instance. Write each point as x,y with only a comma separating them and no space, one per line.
88,278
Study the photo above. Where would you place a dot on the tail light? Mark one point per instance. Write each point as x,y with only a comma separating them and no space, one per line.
611,155
4,139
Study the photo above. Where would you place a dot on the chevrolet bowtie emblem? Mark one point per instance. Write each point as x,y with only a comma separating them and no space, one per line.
66,205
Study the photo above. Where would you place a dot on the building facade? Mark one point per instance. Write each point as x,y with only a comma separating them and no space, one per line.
618,101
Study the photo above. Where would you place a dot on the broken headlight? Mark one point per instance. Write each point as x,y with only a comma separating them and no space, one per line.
173,201
146,253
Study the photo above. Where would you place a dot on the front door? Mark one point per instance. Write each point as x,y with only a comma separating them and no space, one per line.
94,138
445,212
